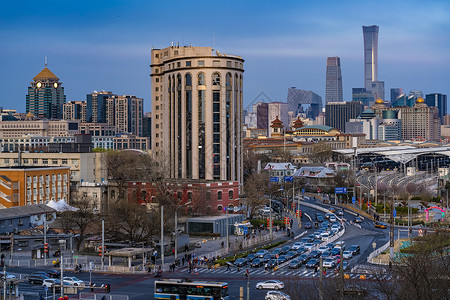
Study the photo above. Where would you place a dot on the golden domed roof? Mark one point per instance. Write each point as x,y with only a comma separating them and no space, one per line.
379,101
29,115
45,74
420,100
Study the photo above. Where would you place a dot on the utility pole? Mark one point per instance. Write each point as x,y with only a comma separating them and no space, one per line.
4,281
341,270
391,230
45,236
62,275
176,235
270,218
103,242
162,237
248,284
228,236
321,279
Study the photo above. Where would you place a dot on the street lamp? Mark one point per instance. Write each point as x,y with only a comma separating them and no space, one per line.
176,228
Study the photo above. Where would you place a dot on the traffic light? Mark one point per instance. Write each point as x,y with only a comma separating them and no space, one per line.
300,213
100,251
107,288
410,230
46,247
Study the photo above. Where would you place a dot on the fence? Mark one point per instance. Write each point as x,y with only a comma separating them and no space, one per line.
370,258
99,296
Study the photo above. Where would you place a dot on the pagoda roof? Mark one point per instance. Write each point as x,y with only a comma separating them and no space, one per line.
45,74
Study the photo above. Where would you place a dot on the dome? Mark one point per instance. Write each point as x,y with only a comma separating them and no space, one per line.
420,100
379,101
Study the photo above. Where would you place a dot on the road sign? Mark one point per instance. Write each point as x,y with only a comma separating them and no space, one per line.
273,179
46,288
340,190
303,191
288,178
394,213
353,200
421,232
245,230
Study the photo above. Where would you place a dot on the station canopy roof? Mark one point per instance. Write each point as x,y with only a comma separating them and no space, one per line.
400,154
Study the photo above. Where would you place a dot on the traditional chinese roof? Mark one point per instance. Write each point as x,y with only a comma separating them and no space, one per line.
298,123
277,123
45,74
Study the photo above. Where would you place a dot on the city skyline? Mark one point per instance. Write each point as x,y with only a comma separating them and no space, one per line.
106,46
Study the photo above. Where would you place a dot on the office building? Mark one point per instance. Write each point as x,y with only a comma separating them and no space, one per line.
197,98
439,101
370,34
338,113
96,106
45,96
297,98
33,126
363,96
378,89
75,110
147,124
262,115
390,127
333,86
395,93
278,110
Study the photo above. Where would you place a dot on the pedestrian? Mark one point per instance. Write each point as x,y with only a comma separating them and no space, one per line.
223,243
228,267
182,261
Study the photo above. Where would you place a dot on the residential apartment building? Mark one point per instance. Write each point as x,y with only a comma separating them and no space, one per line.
75,110
97,106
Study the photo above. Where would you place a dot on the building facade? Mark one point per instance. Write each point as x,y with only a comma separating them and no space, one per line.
277,110
333,86
439,101
45,96
197,98
25,185
128,113
297,98
75,110
395,93
338,113
51,128
96,106
370,34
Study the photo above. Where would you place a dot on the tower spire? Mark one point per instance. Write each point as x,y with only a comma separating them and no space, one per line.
46,61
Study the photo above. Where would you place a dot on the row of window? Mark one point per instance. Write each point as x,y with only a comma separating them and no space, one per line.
45,161
200,63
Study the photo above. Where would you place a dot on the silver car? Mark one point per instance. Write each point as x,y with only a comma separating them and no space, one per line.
270,284
276,295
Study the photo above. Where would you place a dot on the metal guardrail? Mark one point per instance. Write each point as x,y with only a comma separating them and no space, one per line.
370,258
98,296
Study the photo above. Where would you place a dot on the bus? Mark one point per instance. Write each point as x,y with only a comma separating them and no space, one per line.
180,289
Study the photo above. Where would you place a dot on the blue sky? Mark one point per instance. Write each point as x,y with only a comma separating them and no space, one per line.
105,45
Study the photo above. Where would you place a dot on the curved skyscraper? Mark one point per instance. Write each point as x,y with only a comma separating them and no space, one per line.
370,34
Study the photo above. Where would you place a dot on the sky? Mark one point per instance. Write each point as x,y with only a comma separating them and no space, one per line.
105,45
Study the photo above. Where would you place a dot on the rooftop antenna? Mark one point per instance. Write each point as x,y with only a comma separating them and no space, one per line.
46,61
214,40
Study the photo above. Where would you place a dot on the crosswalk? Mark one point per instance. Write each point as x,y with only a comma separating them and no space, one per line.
289,272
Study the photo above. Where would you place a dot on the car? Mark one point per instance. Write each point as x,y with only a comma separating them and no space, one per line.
326,254
271,263
266,210
325,236
333,218
301,250
312,263
251,257
281,259
317,242
270,284
276,251
318,233
329,262
53,273
303,258
335,251
261,253
308,225
332,209
322,249
8,275
240,262
295,264
304,241
347,254
297,246
257,262
340,212
380,225
50,282
309,246
266,258
290,255
317,216
357,220
285,249
276,295
320,219
311,238
73,281
314,254
345,266
330,245
335,228
340,245
37,277
355,248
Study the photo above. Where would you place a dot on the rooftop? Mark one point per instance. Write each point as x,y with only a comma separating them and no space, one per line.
45,74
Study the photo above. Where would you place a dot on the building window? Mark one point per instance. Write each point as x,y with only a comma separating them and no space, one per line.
216,79
54,161
201,63
219,195
230,195
201,79
179,195
64,161
6,160
157,79
178,65
229,64
216,63
156,89
219,207
188,63
175,52
189,194
35,161
45,161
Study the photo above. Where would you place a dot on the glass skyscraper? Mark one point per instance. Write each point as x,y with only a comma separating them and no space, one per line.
370,34
333,89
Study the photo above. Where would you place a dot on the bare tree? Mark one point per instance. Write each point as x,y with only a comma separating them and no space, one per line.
80,221
255,187
320,153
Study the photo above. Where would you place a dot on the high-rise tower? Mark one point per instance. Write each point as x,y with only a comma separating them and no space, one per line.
197,112
370,34
333,89
45,96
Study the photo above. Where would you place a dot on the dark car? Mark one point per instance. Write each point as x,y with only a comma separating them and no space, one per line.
335,251
358,220
331,245
317,242
251,257
326,253
276,251
308,225
303,258
301,250
240,262
355,248
295,264
271,263
304,240
281,259
37,277
314,254
266,257
312,263
291,255
285,249
53,273
320,219
257,262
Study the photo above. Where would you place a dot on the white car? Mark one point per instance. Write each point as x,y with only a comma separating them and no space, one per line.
329,262
50,282
325,236
270,284
276,295
8,276
347,254
323,249
73,281
340,245
308,246
297,246
332,218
